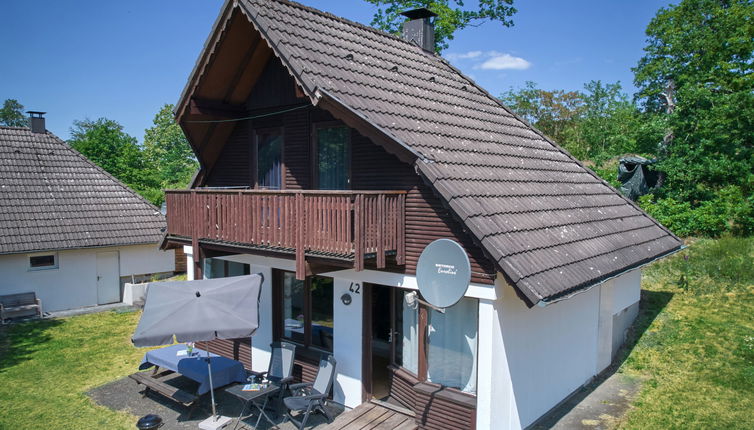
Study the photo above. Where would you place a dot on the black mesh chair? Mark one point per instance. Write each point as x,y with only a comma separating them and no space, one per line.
310,397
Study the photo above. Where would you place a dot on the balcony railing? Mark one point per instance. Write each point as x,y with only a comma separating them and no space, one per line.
350,225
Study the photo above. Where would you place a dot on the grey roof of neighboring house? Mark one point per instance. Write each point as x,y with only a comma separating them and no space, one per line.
52,197
552,226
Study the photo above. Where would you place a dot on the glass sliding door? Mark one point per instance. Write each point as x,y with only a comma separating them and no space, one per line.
333,157
452,346
270,159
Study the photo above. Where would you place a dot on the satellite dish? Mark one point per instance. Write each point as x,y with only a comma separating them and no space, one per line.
443,273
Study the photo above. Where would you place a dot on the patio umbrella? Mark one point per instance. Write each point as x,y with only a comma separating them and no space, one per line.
201,310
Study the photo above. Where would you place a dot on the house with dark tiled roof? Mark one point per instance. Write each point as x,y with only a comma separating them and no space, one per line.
332,154
69,231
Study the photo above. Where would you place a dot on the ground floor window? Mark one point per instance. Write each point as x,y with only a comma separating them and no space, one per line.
218,268
452,346
304,309
43,261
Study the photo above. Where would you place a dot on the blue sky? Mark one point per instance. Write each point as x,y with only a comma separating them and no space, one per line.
124,60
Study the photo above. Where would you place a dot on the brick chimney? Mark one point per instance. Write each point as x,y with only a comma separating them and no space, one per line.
419,28
37,121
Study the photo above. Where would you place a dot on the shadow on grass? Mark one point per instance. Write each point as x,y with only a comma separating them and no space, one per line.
19,341
650,306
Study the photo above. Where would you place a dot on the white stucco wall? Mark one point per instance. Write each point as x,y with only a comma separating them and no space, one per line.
74,282
536,357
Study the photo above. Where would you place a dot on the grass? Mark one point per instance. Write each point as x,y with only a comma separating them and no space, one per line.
47,366
696,356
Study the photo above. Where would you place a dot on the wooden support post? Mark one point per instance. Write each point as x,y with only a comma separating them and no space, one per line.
300,236
358,214
381,221
400,253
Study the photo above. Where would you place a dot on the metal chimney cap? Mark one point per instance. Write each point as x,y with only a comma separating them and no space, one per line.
36,113
419,13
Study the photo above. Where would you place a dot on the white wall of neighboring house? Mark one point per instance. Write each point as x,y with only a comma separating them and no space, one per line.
73,283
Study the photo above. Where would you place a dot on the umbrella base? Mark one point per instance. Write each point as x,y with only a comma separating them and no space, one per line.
214,423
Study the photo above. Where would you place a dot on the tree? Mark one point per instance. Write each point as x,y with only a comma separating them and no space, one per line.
698,70
104,142
12,114
555,113
168,152
451,15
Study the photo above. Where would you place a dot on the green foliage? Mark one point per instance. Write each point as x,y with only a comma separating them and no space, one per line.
729,211
12,114
168,152
704,51
597,124
104,142
451,15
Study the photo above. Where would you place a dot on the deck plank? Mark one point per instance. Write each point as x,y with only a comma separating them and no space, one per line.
370,416
348,417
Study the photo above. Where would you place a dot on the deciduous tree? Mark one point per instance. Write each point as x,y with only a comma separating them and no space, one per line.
452,15
12,114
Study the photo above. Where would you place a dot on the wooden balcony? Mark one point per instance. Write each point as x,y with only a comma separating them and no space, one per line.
341,225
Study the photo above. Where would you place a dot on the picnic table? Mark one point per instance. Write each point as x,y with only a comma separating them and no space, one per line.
194,367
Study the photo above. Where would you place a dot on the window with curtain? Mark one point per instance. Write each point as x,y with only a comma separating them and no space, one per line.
307,310
333,157
270,159
407,332
452,346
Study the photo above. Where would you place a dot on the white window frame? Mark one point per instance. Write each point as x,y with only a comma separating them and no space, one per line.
54,266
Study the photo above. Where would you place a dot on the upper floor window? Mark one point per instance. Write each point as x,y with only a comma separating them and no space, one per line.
333,157
269,159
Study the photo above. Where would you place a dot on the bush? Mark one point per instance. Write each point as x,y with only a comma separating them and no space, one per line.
729,212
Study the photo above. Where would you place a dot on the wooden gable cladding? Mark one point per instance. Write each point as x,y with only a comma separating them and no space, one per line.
234,64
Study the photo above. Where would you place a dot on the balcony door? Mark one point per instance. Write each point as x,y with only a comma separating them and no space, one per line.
269,159
332,164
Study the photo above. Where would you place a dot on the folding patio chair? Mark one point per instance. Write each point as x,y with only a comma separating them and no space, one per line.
281,365
310,397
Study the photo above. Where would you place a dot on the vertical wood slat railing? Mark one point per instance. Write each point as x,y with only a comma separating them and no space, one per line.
337,223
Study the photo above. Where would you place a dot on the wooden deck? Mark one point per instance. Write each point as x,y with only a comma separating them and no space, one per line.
370,416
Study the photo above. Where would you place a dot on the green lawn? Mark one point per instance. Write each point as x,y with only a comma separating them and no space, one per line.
696,356
694,351
46,367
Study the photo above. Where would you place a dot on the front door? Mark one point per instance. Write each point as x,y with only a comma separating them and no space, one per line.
108,277
390,331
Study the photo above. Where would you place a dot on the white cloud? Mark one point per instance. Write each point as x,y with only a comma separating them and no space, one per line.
464,56
500,61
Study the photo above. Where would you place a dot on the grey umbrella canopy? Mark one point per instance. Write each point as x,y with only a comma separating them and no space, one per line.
193,311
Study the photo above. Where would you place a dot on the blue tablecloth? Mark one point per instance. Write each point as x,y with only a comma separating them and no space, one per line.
224,370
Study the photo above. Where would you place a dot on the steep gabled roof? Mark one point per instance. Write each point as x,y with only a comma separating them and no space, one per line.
550,224
52,197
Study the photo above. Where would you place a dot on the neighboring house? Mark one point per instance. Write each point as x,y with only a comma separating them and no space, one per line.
331,154
69,231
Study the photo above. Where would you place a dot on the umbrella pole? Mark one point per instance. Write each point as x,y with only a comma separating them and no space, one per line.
211,387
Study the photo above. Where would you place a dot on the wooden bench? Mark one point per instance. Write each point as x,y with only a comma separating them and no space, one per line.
21,304
151,383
